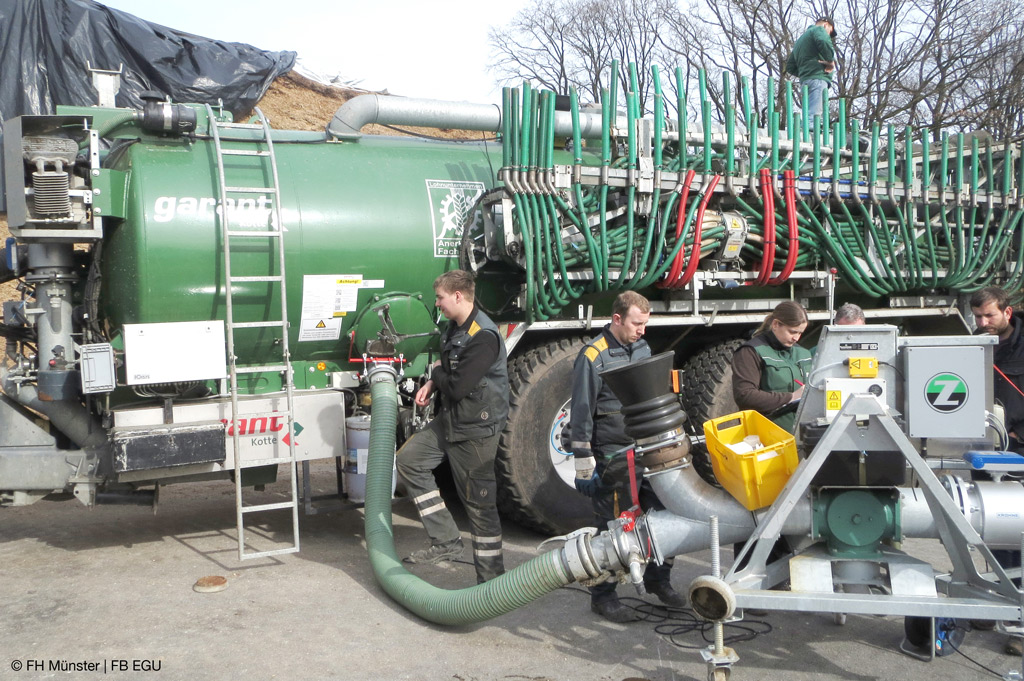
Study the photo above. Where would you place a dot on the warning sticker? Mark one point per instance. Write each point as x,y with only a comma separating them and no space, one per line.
326,299
320,329
833,400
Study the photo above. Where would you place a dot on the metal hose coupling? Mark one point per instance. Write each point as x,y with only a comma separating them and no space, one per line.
618,553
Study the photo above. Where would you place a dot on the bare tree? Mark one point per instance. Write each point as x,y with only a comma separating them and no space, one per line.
533,47
572,43
941,64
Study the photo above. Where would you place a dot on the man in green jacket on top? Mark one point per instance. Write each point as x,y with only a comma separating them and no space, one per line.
812,61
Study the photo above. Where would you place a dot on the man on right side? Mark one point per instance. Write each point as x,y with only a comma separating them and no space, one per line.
994,315
812,62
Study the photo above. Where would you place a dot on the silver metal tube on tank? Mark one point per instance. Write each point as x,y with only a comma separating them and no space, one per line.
364,110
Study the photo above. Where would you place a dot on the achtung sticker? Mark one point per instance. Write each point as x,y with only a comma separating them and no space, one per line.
326,299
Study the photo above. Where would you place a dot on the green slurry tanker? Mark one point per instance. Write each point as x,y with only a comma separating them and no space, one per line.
203,299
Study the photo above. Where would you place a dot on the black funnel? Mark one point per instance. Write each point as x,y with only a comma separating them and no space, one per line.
649,407
641,381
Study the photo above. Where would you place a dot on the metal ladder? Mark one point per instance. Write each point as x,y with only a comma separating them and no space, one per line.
255,135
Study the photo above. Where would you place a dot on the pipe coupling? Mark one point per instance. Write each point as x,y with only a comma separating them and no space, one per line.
579,558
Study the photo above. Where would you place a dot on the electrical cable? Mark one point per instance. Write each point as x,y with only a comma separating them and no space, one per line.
674,623
972,660
460,140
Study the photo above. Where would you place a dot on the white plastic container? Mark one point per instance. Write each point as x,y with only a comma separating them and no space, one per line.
357,437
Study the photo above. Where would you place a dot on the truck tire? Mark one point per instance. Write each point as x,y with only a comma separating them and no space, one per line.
534,463
708,395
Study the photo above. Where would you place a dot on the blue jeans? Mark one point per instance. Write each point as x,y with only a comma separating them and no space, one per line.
815,89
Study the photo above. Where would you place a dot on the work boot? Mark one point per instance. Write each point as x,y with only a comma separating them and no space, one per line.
437,553
614,611
667,595
1013,646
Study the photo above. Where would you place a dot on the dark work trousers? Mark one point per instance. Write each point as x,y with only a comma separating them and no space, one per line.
613,498
472,464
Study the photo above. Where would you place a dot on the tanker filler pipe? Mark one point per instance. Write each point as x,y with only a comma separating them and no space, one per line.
364,110
515,588
69,417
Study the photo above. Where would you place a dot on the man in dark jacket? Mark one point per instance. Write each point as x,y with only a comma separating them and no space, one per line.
471,380
597,431
812,62
994,315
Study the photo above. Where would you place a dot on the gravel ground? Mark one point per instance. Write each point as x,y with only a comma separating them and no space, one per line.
112,587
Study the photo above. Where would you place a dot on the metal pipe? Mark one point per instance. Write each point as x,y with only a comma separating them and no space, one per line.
69,417
363,110
992,508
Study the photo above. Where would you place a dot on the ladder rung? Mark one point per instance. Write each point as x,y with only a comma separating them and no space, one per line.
268,507
260,415
261,369
243,152
256,325
250,190
273,277
251,463
253,233
275,552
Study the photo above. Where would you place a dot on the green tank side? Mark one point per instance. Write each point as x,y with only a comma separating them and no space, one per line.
381,215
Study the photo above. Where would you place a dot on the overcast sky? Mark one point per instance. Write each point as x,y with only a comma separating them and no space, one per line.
414,48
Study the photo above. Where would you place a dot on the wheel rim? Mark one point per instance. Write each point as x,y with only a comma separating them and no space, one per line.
558,446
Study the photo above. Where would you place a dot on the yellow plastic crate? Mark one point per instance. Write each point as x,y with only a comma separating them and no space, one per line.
754,478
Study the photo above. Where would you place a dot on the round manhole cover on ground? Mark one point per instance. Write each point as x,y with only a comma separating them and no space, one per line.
210,584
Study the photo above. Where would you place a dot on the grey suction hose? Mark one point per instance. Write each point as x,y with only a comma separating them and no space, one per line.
515,588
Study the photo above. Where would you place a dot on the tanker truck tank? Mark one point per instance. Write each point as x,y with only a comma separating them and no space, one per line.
385,214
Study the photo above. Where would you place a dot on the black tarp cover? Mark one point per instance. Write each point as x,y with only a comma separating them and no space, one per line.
45,45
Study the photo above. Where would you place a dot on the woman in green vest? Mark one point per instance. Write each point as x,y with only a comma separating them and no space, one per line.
769,370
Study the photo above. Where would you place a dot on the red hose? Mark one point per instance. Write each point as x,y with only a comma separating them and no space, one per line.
768,253
677,263
691,264
789,186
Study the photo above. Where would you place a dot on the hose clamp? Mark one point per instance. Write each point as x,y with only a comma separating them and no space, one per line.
379,370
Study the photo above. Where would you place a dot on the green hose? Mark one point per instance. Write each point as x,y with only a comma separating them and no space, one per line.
112,124
515,588
883,244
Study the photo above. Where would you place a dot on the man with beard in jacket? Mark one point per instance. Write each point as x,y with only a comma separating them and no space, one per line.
994,315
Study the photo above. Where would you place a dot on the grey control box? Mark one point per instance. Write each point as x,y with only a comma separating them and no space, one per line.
98,373
946,391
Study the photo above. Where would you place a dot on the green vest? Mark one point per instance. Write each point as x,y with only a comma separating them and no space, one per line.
782,370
